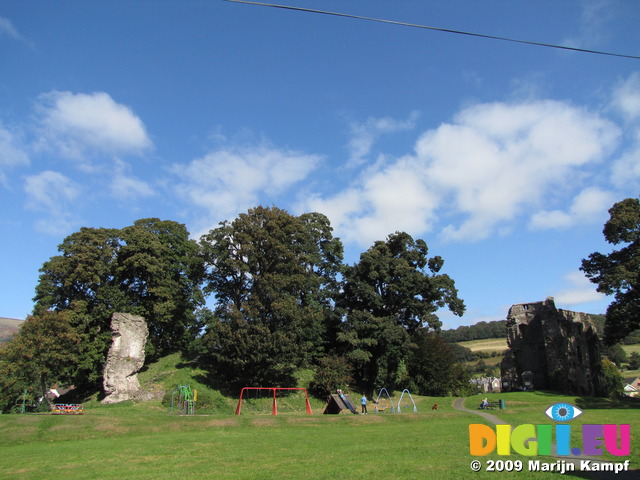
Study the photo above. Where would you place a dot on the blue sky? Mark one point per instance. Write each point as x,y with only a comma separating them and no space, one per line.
504,157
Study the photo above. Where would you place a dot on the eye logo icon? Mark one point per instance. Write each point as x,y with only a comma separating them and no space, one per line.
562,412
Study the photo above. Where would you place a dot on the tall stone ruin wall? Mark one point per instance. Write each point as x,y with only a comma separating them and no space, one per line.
560,348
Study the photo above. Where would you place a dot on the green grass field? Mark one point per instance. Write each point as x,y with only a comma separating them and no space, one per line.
486,345
143,441
629,349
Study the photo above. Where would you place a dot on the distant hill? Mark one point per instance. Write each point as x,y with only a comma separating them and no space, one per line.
598,321
8,328
479,331
498,329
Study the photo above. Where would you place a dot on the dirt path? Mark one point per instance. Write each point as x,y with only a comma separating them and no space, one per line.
458,404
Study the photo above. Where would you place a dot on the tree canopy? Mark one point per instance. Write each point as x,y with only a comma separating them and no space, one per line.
284,300
618,273
150,268
391,293
274,276
433,367
46,350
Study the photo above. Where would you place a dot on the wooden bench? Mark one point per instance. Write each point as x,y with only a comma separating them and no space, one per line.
491,405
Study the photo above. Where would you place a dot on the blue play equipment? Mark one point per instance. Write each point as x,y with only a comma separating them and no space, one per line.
415,409
380,407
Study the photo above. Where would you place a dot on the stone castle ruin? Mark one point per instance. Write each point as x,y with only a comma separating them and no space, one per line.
125,358
552,349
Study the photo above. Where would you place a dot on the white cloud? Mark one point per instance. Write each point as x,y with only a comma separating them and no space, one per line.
364,135
48,191
78,125
493,164
498,159
339,208
126,187
395,198
7,28
626,170
626,97
579,291
594,15
12,154
228,181
51,193
589,206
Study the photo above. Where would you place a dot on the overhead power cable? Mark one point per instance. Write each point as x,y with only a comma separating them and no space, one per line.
438,29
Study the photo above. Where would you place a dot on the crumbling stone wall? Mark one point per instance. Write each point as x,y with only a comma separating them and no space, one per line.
560,348
125,358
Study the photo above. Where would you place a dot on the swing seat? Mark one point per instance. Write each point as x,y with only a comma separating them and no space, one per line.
381,408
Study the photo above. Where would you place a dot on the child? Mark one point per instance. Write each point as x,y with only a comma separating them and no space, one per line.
363,402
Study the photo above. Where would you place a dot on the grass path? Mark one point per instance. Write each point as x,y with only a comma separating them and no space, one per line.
458,404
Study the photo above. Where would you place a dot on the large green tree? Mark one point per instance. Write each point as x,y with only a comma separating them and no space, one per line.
393,291
80,282
150,268
45,351
434,368
274,276
160,271
618,273
634,361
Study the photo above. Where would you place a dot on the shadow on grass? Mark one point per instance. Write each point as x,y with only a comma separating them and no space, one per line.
82,394
594,403
218,384
605,475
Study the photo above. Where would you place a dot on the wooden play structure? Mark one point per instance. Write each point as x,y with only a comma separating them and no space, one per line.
339,403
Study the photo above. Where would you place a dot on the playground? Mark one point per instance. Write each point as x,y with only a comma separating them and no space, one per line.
279,400
383,402
183,400
145,441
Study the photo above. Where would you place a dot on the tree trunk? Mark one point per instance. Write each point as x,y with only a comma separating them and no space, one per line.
45,390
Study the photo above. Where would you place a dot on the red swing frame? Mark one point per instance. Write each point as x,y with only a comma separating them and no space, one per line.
274,407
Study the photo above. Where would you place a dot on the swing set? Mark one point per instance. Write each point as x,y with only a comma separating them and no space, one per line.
406,405
387,402
273,392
